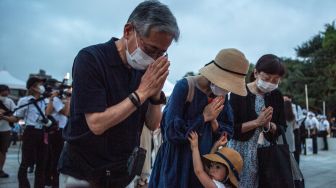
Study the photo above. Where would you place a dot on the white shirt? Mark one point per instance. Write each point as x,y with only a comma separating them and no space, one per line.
324,125
218,184
9,103
299,117
30,114
60,118
311,123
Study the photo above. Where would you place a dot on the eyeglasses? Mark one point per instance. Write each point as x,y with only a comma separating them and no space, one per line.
151,50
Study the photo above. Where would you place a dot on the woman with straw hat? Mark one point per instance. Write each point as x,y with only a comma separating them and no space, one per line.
206,112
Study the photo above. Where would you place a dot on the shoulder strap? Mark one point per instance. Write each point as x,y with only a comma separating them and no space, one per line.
4,107
191,90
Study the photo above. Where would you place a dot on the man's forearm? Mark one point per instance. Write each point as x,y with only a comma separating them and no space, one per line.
153,116
99,122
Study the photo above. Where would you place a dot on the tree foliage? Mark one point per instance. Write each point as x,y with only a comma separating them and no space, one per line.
316,67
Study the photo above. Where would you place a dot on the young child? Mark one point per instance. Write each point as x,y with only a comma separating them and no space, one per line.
224,165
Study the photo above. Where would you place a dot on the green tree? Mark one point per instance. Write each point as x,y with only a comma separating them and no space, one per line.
316,67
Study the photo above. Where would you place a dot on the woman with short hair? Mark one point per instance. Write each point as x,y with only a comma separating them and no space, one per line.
261,111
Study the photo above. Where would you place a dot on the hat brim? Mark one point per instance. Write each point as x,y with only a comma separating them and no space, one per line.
229,81
215,158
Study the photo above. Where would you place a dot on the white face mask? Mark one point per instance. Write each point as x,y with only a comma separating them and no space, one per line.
217,90
41,89
266,86
138,59
2,98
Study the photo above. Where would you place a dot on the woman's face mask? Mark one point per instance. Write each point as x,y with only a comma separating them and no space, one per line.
266,87
217,90
138,59
41,89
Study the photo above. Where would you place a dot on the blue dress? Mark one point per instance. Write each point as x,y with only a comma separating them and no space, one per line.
173,166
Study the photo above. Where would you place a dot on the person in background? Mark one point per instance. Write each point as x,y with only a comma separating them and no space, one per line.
299,118
60,113
290,121
311,124
333,127
7,119
207,112
324,130
34,144
258,115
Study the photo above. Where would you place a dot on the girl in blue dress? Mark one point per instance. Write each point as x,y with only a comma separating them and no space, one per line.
206,112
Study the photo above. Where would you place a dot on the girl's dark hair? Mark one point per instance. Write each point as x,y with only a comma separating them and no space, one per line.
289,115
270,64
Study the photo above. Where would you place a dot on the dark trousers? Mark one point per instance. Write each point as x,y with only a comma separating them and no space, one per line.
33,150
4,144
297,138
55,146
303,145
324,134
314,138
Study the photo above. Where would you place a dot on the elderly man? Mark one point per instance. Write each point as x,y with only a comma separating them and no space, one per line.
116,89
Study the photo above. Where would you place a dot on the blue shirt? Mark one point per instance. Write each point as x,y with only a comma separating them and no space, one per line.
173,166
101,80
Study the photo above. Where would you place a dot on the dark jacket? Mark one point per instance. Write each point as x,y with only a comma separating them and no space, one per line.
244,111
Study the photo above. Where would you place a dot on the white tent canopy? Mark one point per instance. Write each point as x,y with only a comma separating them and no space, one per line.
12,82
168,88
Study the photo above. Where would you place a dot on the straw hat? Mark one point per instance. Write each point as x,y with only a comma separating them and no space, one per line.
231,159
228,71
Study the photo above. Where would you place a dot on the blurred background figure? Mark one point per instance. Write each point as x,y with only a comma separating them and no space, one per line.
291,123
7,119
332,127
324,130
299,118
311,124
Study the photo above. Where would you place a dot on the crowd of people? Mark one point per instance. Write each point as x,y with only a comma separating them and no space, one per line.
44,113
212,126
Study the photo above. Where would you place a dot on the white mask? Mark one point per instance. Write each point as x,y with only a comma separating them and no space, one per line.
41,89
217,90
266,86
138,59
2,98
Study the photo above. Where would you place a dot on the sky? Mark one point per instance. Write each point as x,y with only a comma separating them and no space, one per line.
47,34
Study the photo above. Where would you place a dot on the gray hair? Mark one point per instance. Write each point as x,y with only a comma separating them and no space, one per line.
153,14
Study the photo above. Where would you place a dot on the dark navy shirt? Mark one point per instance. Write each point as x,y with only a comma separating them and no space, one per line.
101,80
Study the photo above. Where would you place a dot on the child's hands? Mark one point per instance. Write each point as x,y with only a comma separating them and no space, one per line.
222,140
193,139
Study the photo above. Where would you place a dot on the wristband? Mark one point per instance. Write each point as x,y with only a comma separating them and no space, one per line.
134,100
137,96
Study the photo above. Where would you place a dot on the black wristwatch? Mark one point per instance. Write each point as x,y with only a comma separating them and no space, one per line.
162,100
